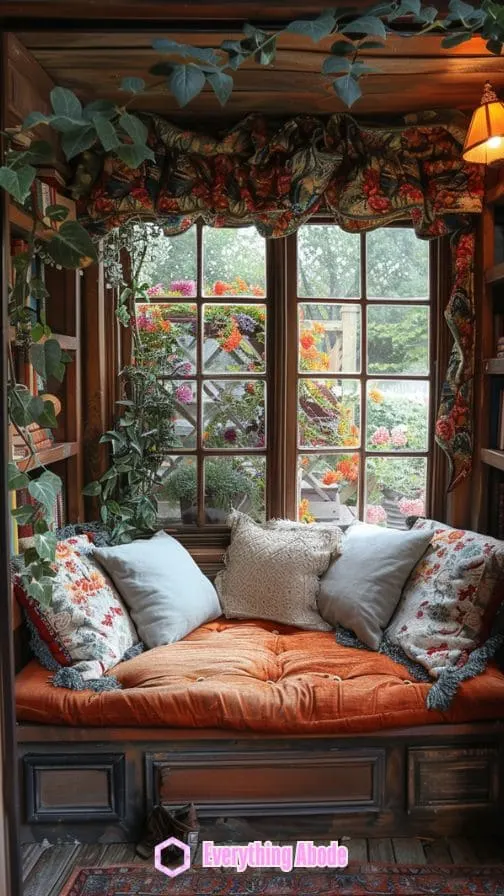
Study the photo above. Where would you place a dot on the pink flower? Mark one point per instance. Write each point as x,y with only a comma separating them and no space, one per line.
375,514
156,290
412,506
381,436
398,436
184,394
184,287
230,434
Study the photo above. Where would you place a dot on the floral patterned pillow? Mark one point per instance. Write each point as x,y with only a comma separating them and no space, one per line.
86,625
450,598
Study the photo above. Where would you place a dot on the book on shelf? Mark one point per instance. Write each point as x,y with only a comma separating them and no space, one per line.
46,195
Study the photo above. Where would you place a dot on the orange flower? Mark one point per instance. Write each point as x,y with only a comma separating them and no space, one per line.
348,470
219,288
332,476
318,328
307,340
257,291
165,326
233,340
205,436
304,512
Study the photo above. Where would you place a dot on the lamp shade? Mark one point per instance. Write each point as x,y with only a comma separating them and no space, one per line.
484,143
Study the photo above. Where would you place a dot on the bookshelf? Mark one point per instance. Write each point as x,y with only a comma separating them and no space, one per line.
64,456
488,492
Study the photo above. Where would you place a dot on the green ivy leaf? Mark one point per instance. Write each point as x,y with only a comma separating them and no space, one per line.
366,25
40,152
39,592
46,359
133,154
134,128
67,125
459,11
202,54
494,46
19,406
38,289
75,141
186,82
92,489
133,85
45,545
342,48
222,85
454,40
360,68
65,103
371,45
266,55
317,28
16,479
161,68
70,244
102,108
348,89
334,64
106,133
236,60
45,490
35,118
56,213
410,7
24,514
17,183
48,418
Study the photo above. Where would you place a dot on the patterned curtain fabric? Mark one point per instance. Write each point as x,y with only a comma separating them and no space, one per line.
277,175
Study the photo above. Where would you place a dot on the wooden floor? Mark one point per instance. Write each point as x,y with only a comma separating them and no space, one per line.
46,868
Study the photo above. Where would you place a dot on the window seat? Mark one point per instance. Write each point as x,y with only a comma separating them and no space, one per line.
260,677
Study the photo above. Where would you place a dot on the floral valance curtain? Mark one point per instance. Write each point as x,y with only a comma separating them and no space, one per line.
278,175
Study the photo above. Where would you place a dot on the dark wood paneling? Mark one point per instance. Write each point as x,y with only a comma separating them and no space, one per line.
442,777
267,783
75,788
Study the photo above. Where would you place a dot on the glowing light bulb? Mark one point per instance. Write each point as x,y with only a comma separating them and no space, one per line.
494,142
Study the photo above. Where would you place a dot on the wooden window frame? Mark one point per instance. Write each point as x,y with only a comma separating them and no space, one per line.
281,371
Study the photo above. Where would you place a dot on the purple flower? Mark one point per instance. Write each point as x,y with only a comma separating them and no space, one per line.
230,434
246,324
184,287
184,394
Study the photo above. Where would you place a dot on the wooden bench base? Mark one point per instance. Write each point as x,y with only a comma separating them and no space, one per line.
96,785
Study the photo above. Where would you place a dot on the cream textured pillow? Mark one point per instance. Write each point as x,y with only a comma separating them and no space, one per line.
272,572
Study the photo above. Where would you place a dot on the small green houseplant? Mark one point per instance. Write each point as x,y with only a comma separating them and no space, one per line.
227,485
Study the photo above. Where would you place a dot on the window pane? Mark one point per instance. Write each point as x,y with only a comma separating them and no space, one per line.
234,414
184,413
170,265
395,489
234,338
178,491
397,264
328,262
234,482
329,338
329,413
398,339
170,328
397,415
328,487
234,262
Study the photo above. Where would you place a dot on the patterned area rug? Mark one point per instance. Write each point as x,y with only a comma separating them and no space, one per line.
361,880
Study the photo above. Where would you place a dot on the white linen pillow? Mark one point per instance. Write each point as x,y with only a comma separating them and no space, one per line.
272,571
167,594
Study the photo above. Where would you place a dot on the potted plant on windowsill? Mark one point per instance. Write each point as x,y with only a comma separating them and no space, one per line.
227,486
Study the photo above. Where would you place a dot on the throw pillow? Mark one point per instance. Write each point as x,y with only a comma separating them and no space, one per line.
448,603
166,592
271,572
362,587
86,626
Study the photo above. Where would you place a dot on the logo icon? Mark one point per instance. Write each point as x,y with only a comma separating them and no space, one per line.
178,869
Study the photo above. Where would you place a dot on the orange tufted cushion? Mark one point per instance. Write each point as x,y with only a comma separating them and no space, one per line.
257,676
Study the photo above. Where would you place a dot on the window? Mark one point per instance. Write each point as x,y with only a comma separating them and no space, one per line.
208,310
363,367
329,422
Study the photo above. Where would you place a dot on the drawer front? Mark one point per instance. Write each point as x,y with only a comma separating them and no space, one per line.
74,788
441,778
268,782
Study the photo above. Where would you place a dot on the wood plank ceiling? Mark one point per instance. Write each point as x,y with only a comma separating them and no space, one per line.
412,75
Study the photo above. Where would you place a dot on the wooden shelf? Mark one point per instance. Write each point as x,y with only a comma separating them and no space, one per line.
494,366
58,451
22,220
493,458
495,274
